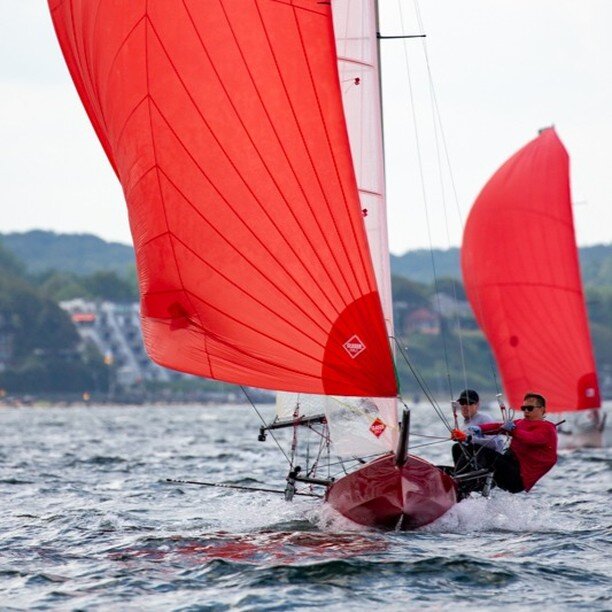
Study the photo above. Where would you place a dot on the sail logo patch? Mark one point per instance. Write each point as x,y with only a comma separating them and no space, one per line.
377,427
354,346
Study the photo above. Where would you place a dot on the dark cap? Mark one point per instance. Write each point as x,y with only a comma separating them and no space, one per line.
470,395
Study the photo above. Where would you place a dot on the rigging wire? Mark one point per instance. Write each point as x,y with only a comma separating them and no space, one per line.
438,130
429,443
421,382
265,424
442,134
424,194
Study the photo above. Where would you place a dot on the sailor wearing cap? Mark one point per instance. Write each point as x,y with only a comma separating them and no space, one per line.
469,401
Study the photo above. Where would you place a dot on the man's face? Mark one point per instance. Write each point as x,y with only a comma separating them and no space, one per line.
469,410
536,413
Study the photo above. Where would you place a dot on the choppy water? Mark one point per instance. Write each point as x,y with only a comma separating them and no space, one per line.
87,521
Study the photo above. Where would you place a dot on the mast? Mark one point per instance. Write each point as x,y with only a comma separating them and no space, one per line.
380,92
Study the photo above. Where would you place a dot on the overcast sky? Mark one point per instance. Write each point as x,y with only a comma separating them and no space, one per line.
501,70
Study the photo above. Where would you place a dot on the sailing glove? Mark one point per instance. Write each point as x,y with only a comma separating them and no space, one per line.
474,430
458,436
508,426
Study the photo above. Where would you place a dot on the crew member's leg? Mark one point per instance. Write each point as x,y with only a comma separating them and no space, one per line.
507,473
469,458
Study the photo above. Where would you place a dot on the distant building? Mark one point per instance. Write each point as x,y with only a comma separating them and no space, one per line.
115,330
451,308
422,321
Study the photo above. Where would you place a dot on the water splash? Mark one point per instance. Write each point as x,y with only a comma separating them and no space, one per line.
501,512
330,521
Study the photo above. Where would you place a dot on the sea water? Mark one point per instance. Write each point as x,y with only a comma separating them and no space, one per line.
89,521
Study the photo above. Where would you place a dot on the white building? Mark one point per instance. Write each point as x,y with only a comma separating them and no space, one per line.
115,330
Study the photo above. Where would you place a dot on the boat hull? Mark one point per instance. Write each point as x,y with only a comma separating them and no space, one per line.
582,429
383,495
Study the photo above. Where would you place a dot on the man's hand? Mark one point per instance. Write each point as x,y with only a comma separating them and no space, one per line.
474,430
508,426
458,436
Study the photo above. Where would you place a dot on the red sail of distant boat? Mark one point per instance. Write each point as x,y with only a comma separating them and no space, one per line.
224,123
520,267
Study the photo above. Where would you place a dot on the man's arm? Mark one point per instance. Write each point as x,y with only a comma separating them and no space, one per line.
490,428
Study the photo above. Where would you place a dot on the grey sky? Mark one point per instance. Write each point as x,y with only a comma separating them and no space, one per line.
501,68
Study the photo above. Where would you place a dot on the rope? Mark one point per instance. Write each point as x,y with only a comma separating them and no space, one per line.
421,382
420,435
425,196
470,458
430,443
439,135
454,192
265,424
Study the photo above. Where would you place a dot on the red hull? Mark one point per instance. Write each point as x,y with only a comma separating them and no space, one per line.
383,495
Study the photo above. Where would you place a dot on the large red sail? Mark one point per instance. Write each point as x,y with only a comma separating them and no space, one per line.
223,121
521,272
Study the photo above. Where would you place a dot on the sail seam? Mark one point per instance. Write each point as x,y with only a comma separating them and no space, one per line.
161,195
259,332
368,280
94,88
355,62
296,304
124,127
246,185
220,234
77,58
335,165
141,20
331,367
282,146
301,8
129,188
93,35
235,348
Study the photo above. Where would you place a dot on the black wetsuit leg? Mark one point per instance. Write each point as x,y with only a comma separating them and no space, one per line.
478,457
505,467
507,473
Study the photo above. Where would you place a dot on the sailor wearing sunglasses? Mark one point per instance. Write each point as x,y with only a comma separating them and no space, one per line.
533,446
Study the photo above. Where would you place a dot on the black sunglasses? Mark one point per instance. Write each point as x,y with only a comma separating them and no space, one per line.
464,402
529,408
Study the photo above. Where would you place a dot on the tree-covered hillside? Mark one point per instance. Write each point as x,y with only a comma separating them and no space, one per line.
84,254
595,264
81,254
38,342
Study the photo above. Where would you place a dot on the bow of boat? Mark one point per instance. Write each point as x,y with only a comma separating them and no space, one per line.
384,495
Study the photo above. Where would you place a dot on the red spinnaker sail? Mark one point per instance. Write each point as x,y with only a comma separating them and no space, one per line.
521,272
223,121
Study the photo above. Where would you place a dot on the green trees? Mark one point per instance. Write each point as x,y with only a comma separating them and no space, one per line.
446,360
109,286
41,343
